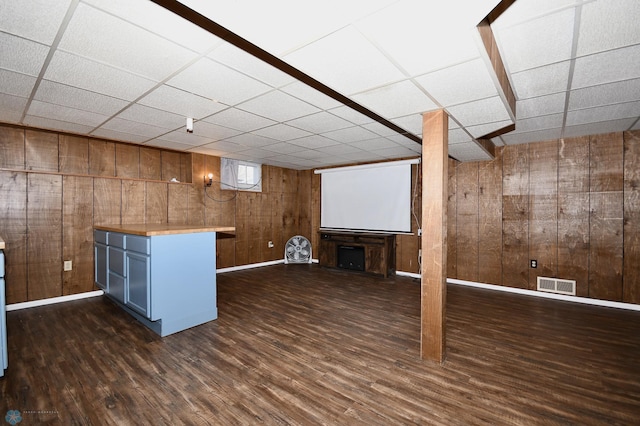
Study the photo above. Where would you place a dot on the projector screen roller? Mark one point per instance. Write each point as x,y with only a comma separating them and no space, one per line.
372,197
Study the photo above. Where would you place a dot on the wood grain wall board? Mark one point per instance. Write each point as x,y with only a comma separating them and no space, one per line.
304,196
515,170
150,163
291,211
186,168
632,160
198,171
170,165
515,241
467,221
606,162
156,202
315,213
452,230
127,160
573,240
77,234
543,168
12,148
74,154
408,245
606,245
289,184
107,201
490,220
41,150
13,229
196,204
277,211
133,201
44,241
225,252
573,165
102,158
274,179
178,204
631,271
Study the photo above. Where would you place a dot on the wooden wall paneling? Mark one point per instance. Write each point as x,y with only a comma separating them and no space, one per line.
290,216
243,220
127,160
186,167
408,246
490,220
178,204
44,239
11,148
304,194
171,165
606,244
631,272
198,172
265,230
315,213
156,202
77,233
573,212
452,213
107,201
196,204
102,158
150,163
13,229
606,162
133,201
74,154
276,209
543,210
41,150
515,216
467,221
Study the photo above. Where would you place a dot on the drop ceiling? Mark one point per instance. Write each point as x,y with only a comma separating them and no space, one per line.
131,70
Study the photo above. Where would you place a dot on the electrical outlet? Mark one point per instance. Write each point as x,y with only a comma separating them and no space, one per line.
270,244
68,265
534,263
419,232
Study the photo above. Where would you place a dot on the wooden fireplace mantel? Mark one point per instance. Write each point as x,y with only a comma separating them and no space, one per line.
379,250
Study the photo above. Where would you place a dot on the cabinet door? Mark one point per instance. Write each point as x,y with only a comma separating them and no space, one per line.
374,259
101,266
138,279
4,360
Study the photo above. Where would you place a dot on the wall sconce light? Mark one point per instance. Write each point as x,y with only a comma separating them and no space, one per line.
189,125
208,179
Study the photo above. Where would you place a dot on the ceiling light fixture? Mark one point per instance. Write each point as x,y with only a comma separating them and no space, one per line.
189,125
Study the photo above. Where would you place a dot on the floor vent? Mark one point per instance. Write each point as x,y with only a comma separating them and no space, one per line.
556,285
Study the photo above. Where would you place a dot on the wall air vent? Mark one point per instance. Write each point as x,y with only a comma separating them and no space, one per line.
556,285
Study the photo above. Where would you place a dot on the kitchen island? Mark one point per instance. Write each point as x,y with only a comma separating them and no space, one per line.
163,275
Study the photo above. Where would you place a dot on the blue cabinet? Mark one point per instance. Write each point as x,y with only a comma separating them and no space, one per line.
4,358
167,282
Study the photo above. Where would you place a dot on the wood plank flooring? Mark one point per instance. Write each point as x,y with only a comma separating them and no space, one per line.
303,345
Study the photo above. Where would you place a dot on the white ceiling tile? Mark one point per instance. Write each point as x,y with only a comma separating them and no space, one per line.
252,141
36,20
225,146
314,142
351,115
608,24
598,128
287,108
339,149
310,95
552,121
636,126
459,83
152,116
396,100
361,156
248,64
240,120
535,136
480,112
284,148
178,101
12,107
79,72
394,152
47,123
607,67
73,97
135,128
159,21
218,82
350,134
375,144
459,136
62,113
543,105
380,129
604,113
310,154
605,94
20,55
541,81
406,142
161,143
523,11
320,122
13,83
213,131
119,136
468,152
412,123
361,65
182,137
281,132
481,130
256,155
537,42
93,34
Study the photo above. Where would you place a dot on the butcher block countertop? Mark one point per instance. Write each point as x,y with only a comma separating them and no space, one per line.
148,230
1,244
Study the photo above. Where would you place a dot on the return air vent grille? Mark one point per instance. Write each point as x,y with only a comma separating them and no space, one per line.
555,285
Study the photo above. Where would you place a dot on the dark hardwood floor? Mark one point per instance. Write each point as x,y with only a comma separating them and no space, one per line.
298,344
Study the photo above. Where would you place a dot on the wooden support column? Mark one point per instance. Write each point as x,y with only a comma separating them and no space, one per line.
435,129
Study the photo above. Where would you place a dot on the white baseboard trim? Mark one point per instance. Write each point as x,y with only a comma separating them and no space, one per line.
409,274
52,300
249,266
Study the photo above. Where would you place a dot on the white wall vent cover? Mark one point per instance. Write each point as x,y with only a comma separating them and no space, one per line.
556,285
